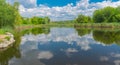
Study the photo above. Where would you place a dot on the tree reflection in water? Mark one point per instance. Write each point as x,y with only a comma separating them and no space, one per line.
35,31
104,36
83,32
11,52
107,37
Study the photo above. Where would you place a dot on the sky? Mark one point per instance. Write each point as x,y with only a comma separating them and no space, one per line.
62,9
60,3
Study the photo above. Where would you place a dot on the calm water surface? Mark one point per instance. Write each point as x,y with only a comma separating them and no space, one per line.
63,46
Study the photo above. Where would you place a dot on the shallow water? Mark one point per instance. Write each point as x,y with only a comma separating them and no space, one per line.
63,46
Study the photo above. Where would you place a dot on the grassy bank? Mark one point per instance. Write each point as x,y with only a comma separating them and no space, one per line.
76,25
28,26
97,25
93,26
6,29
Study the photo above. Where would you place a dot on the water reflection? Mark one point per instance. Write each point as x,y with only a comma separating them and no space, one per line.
66,46
82,32
67,35
107,37
11,52
35,31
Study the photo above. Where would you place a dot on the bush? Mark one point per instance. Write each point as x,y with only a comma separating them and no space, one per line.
83,19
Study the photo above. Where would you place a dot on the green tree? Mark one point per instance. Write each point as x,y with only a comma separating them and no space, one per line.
107,14
18,18
83,19
117,14
40,20
8,14
47,20
34,20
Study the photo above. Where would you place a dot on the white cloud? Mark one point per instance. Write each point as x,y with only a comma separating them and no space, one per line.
28,8
69,11
117,62
116,55
25,3
45,55
104,58
71,50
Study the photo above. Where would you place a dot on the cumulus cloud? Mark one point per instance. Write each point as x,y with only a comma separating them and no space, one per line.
25,3
71,50
29,8
45,55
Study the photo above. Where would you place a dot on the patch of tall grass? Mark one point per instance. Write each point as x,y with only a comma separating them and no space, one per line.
6,29
98,25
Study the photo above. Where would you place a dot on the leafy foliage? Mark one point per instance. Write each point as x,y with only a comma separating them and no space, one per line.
107,15
36,20
8,14
83,19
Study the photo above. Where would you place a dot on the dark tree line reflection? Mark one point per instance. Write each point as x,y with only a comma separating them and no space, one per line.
36,31
104,36
82,32
107,37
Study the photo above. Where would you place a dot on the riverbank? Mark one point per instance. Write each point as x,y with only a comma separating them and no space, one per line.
76,25
97,25
6,40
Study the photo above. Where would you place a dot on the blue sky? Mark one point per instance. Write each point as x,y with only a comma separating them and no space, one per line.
60,3
56,2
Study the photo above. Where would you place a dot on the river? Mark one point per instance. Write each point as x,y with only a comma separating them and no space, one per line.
63,46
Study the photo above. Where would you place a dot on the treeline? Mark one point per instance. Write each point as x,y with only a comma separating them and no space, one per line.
105,15
10,16
35,20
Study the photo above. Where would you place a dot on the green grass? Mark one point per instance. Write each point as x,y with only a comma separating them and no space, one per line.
98,25
2,31
6,29
71,24
8,38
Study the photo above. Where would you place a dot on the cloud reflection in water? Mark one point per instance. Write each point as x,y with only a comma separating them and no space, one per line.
68,35
64,46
